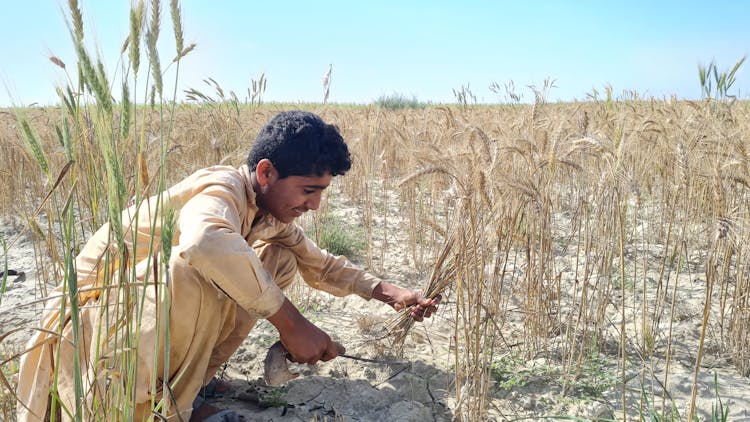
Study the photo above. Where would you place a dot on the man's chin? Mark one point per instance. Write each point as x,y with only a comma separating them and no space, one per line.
287,219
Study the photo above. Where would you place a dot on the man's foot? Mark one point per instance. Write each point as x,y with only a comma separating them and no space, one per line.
215,388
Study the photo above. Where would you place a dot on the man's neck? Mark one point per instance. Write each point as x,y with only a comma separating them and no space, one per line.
261,214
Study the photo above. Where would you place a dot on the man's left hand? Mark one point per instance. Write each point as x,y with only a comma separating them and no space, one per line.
400,298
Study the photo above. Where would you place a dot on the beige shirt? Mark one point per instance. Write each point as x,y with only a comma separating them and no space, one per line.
215,209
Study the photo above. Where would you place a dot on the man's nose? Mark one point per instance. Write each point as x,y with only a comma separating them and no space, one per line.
313,202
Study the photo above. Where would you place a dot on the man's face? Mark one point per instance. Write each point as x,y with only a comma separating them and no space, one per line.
289,198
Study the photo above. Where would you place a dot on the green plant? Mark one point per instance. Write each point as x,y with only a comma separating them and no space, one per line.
507,373
716,85
259,88
338,237
10,357
620,283
595,379
273,398
106,153
510,371
4,277
719,413
398,102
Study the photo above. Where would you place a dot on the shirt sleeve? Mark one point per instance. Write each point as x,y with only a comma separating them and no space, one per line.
211,242
323,270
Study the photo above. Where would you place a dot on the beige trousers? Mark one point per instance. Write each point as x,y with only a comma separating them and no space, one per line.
205,328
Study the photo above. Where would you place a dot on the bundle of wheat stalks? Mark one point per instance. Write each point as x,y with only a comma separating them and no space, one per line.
443,275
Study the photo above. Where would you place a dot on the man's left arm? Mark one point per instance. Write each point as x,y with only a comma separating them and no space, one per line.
338,276
322,270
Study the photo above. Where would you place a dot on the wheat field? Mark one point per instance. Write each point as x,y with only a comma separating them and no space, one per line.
576,227
604,240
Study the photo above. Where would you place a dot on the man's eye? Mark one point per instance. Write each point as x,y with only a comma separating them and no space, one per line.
309,191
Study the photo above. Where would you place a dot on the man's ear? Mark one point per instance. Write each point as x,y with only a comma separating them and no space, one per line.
265,172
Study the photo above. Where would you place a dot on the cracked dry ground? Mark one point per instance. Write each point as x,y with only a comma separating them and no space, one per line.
408,388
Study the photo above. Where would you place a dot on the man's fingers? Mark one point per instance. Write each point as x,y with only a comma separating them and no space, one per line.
421,307
419,312
429,302
296,359
428,312
332,351
325,356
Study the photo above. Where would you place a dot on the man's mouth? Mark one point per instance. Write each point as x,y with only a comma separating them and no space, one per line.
298,211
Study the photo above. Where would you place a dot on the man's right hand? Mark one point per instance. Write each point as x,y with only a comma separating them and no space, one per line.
305,342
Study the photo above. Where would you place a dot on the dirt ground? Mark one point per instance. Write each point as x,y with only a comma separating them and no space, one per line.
419,384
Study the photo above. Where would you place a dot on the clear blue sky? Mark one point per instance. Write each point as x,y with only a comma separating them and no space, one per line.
421,49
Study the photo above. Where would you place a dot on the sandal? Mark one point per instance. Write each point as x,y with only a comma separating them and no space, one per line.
20,275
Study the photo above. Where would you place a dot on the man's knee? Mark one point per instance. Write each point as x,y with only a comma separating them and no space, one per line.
280,263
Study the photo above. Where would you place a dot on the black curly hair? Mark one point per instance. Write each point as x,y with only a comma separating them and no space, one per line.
299,143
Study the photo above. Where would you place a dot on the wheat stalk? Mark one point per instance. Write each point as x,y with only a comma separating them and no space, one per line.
136,24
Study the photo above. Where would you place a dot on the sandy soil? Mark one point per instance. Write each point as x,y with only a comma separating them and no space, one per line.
418,386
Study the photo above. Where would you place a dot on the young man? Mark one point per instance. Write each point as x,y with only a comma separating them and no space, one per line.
235,250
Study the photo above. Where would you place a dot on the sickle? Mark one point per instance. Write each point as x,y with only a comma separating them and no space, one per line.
276,365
